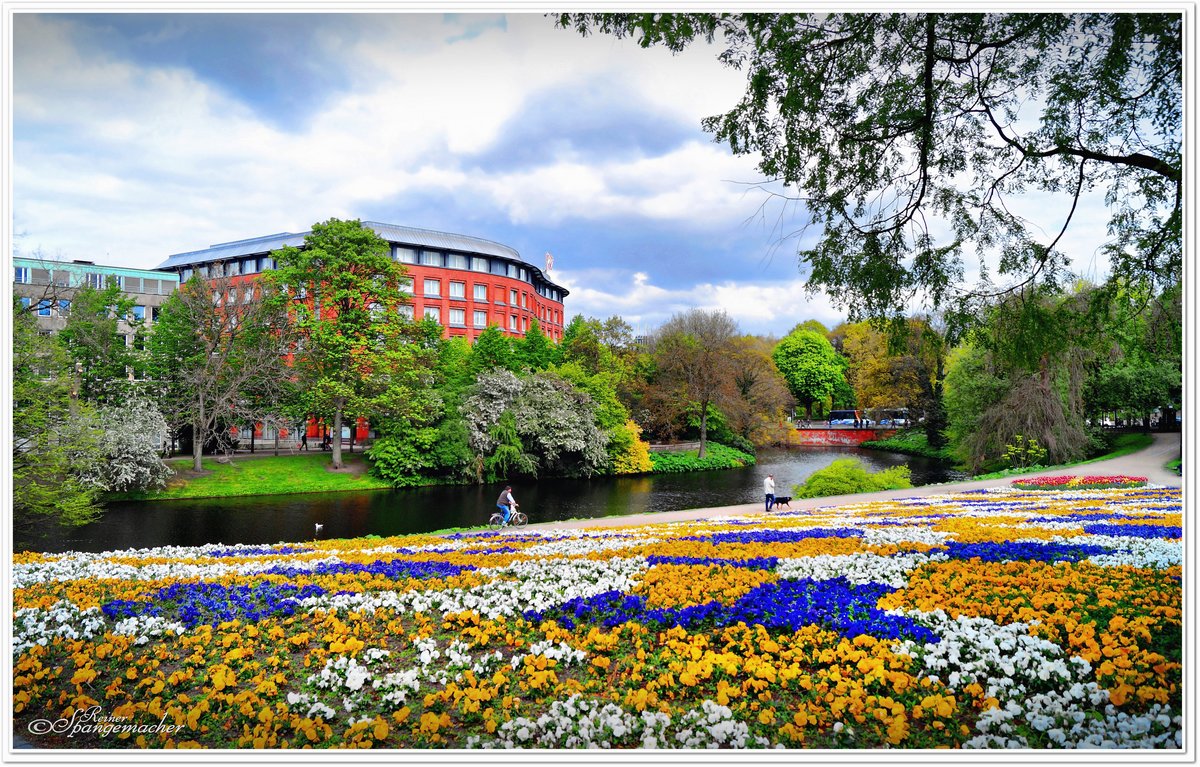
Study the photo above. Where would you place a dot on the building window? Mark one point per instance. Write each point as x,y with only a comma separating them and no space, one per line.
479,264
248,296
499,268
43,308
524,275
514,271
458,290
21,274
406,311
525,324
94,280
185,275
406,285
139,313
481,292
431,258
154,312
456,261
232,269
458,318
480,319
64,306
433,288
433,313
406,255
512,297
25,302
512,322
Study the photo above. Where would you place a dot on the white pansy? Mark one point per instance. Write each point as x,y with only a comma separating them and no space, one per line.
856,568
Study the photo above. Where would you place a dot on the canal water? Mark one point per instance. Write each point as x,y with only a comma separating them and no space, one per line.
272,519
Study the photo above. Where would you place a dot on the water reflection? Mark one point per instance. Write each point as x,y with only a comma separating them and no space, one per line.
271,519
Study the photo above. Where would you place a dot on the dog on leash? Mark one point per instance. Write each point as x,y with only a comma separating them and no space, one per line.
783,500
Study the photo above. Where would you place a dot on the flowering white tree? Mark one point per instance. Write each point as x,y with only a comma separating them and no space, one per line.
131,443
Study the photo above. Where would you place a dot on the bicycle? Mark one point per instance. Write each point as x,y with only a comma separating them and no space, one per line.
515,519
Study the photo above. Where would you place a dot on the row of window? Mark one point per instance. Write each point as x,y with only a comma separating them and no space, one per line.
496,266
432,288
458,318
25,275
47,308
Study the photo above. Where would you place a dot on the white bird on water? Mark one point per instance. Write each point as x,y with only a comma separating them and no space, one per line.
317,527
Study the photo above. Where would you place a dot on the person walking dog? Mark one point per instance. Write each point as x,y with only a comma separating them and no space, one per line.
769,490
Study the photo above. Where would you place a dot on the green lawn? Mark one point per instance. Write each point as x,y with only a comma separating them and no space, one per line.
271,475
1123,444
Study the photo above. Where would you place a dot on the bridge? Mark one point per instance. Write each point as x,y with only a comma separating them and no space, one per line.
825,436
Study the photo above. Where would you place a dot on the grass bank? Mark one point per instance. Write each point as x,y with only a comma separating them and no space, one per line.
716,456
910,442
1122,444
268,475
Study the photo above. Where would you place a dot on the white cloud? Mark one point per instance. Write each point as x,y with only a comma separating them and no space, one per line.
767,309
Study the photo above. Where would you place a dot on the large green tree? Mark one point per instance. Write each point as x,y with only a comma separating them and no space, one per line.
343,293
919,142
810,366
103,359
55,437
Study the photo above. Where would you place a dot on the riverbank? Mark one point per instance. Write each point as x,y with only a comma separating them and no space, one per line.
1150,462
247,475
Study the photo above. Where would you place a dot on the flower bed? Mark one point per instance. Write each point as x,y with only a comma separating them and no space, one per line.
1077,483
998,619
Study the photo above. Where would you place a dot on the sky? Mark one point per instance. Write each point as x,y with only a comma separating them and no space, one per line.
137,136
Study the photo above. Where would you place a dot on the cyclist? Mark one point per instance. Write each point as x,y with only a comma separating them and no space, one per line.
506,502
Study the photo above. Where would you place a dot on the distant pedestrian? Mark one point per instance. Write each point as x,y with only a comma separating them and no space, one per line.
304,441
769,490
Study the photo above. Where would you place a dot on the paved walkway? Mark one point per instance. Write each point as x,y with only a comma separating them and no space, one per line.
1144,463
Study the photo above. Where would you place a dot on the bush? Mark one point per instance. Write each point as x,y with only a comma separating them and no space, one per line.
716,456
848,475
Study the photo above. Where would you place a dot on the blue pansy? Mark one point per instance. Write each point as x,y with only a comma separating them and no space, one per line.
1136,531
1023,551
194,603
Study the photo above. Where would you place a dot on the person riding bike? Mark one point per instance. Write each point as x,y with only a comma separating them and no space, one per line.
506,502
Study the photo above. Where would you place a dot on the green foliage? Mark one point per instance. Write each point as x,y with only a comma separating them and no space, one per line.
1021,452
492,350
508,458
810,366
55,440
93,340
534,351
896,130
848,475
909,442
717,456
343,293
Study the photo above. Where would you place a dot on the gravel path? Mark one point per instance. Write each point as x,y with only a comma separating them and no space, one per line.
1144,463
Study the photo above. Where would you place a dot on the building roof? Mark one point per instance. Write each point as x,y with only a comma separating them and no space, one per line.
81,267
399,235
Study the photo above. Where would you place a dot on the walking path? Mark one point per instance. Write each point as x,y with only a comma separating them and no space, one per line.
1146,463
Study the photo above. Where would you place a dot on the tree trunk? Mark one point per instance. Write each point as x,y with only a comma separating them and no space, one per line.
337,438
197,444
703,428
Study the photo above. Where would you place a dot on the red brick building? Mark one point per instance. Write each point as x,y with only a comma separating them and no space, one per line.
465,283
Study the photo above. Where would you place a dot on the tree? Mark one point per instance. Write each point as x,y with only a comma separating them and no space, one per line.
810,366
911,138
693,351
554,429
131,445
343,296
534,352
492,350
759,397
217,357
103,359
54,437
